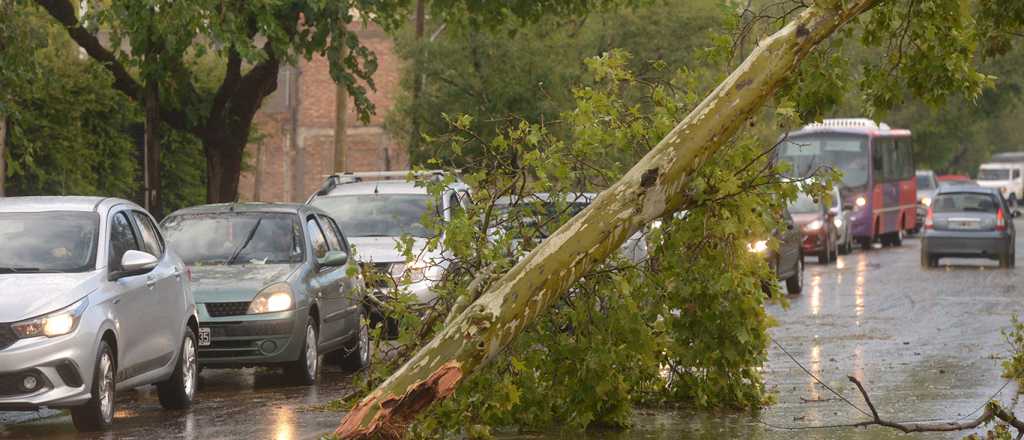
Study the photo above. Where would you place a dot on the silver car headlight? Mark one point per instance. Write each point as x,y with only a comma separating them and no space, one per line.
274,298
53,324
416,271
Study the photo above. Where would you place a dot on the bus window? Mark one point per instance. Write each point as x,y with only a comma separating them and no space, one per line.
810,153
878,149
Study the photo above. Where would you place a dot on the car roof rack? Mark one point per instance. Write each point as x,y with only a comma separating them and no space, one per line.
335,180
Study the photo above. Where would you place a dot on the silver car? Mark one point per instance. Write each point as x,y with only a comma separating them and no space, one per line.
91,300
968,222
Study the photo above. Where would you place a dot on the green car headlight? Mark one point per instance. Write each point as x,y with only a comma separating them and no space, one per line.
273,298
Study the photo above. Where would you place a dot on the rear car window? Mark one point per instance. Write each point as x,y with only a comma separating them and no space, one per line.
965,202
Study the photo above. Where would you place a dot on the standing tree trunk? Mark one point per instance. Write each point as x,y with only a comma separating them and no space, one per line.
656,185
223,168
151,153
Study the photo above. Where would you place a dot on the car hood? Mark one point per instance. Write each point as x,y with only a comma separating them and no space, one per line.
235,282
382,249
805,218
24,296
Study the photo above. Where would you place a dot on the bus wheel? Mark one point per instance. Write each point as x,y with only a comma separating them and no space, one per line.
896,238
865,243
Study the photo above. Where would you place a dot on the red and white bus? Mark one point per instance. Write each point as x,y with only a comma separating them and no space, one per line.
877,163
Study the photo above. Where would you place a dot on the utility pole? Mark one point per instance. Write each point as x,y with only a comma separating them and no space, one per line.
340,119
3,152
417,85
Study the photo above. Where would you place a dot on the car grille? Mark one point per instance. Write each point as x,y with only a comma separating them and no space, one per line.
217,310
7,336
379,275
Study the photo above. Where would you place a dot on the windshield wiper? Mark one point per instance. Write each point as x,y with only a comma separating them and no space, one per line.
248,239
23,270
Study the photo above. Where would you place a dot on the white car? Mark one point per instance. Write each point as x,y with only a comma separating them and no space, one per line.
1005,177
91,301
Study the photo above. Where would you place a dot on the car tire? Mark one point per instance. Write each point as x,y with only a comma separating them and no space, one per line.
896,238
825,256
1004,261
179,390
306,369
926,259
98,413
795,283
357,357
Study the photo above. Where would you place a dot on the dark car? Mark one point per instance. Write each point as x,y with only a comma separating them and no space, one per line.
788,260
968,222
274,286
820,236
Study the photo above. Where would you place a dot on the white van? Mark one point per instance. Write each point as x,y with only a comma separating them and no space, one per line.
1007,177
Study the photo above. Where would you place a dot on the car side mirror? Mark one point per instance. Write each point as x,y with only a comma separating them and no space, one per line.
789,226
135,263
333,259
1016,213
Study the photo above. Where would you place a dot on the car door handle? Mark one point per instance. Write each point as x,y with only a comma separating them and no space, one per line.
150,282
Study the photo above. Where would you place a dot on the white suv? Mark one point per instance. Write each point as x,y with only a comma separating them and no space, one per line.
91,300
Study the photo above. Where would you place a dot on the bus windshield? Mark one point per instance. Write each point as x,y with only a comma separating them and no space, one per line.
844,152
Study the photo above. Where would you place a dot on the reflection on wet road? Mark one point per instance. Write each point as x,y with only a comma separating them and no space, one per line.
926,344
248,403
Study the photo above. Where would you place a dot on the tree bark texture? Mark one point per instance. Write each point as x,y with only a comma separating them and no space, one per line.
656,185
340,123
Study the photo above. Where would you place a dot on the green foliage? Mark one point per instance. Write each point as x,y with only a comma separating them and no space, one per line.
500,79
684,325
70,132
1013,368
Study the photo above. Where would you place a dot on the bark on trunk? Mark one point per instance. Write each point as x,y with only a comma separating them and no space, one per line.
340,123
223,168
656,185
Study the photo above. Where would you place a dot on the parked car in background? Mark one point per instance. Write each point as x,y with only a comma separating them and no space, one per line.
820,236
787,261
273,286
971,222
91,301
543,210
927,184
878,173
1004,176
375,210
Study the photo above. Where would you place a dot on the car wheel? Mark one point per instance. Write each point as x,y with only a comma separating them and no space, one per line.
795,283
357,356
926,259
825,256
178,391
1004,261
306,369
896,238
98,413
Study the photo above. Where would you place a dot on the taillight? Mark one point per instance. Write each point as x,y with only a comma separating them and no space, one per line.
929,221
1000,220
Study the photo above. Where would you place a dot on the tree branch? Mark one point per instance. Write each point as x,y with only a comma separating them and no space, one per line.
993,410
64,13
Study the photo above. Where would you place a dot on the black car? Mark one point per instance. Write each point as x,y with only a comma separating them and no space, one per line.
788,260
968,222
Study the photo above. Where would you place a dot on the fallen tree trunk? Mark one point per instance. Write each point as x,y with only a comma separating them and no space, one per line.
655,186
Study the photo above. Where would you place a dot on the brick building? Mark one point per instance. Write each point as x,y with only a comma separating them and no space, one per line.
297,126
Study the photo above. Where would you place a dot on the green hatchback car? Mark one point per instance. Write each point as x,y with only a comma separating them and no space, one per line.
274,286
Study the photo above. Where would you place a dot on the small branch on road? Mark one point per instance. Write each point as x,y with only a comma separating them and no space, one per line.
993,410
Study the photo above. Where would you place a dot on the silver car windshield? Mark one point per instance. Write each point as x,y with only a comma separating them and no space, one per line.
378,215
48,241
236,238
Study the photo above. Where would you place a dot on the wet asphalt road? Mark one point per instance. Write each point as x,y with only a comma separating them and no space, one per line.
926,344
